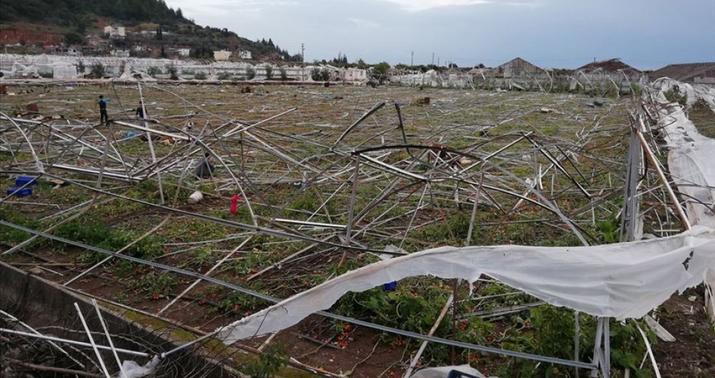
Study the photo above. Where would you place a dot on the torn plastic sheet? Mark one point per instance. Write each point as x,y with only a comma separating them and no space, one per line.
624,280
461,371
131,369
690,156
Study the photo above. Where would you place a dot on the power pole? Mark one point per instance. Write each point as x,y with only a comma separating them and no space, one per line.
302,61
412,58
433,59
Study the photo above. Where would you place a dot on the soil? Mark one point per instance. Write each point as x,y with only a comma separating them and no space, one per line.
693,352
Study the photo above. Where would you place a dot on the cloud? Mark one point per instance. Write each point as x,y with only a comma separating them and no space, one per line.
363,23
421,5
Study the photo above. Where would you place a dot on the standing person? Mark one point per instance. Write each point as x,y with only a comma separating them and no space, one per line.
205,169
140,110
103,118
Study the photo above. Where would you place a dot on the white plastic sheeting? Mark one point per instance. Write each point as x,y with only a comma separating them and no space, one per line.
444,371
690,156
624,280
131,369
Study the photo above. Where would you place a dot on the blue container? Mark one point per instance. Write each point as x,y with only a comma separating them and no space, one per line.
24,192
390,286
22,180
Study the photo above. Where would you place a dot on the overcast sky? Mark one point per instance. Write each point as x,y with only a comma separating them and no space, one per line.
551,33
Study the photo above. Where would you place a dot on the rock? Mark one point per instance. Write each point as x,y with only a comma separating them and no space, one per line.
196,197
421,101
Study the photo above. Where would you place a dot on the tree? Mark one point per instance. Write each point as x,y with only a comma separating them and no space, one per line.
179,14
171,70
269,72
73,39
97,71
250,73
379,71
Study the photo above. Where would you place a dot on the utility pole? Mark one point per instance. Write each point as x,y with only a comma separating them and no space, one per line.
302,61
433,59
412,58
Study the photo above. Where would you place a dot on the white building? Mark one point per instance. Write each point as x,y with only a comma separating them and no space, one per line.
115,31
354,74
245,54
185,52
222,55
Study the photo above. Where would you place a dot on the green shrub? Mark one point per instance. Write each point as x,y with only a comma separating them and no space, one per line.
200,76
250,73
12,235
94,232
674,95
269,72
155,284
172,71
153,71
97,71
267,364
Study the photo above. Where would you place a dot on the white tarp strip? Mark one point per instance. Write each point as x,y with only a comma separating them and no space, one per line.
624,280
444,372
690,156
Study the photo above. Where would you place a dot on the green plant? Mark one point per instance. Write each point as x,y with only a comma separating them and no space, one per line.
267,364
156,284
379,72
453,230
608,230
674,95
284,74
239,303
172,71
318,74
12,235
73,38
153,71
407,310
200,76
269,72
97,71
250,73
224,76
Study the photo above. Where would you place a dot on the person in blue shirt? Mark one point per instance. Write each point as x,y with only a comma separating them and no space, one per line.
103,118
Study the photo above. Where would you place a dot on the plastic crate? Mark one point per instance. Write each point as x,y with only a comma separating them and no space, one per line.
24,192
23,180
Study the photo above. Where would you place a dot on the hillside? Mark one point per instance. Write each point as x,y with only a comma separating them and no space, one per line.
153,29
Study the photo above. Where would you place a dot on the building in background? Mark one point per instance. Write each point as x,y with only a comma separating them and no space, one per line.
517,68
116,32
222,55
